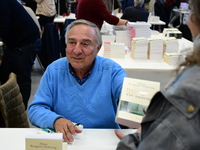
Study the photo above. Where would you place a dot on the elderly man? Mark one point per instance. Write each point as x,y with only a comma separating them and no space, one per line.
84,88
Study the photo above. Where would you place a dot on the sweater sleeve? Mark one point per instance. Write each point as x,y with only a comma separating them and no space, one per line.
39,111
118,75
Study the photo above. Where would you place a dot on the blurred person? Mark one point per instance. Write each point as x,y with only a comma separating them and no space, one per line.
163,9
136,13
34,17
46,10
149,6
128,3
121,3
81,88
172,120
21,37
97,13
62,11
31,3
169,5
109,5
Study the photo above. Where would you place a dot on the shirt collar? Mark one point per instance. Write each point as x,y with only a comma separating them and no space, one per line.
72,72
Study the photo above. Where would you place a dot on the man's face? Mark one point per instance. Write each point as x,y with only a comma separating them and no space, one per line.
81,47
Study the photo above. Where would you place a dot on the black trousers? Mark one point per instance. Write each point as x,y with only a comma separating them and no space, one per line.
20,61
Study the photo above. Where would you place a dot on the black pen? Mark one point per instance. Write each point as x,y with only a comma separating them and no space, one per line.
77,124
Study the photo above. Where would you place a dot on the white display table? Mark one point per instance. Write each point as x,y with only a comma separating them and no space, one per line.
151,70
89,139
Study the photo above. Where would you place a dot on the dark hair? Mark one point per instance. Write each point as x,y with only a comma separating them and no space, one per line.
194,57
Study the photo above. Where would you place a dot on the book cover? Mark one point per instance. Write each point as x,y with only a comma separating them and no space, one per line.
135,97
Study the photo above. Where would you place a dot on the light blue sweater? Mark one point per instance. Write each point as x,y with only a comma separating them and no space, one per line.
93,104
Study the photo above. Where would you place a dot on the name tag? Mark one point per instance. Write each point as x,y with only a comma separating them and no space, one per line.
44,142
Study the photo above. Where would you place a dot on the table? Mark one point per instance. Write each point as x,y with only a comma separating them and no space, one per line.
158,71
89,139
157,23
153,23
61,19
179,13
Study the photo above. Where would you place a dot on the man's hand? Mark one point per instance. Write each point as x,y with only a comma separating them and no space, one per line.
119,134
139,129
66,127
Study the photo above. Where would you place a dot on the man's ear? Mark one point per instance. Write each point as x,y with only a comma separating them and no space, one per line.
99,47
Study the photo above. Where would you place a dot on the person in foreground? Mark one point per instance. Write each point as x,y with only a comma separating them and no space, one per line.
81,88
172,121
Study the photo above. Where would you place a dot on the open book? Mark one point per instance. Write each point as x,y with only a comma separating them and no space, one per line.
135,97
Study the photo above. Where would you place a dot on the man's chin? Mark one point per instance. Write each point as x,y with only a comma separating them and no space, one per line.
77,65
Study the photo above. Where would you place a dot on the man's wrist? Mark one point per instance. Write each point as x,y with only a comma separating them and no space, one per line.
126,23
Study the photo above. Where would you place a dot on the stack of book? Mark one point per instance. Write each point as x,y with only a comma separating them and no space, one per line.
121,33
139,48
117,50
139,29
172,32
153,19
108,38
171,45
106,52
114,50
173,59
155,49
122,36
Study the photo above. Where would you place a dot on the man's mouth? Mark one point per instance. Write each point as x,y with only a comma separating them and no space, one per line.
77,58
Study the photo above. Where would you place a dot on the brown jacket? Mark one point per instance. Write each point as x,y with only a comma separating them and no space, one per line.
12,108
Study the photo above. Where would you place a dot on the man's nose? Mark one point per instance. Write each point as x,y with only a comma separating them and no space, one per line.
77,48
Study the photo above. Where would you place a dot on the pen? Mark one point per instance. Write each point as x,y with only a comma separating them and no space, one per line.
77,124
49,131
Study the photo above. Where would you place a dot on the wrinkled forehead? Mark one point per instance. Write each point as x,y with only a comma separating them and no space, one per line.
81,28
82,31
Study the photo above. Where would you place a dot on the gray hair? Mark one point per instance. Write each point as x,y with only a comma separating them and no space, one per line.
85,22
138,2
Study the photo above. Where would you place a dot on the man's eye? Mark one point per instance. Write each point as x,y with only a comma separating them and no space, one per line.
71,43
85,44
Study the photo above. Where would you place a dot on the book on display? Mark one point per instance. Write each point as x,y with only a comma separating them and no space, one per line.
135,97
